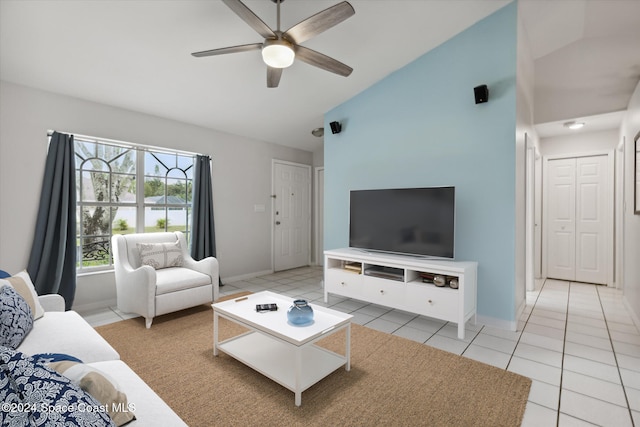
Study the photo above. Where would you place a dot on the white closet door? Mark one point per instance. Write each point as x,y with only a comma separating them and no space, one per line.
561,252
578,242
591,219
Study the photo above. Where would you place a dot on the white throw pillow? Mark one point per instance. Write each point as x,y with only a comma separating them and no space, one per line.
23,285
161,255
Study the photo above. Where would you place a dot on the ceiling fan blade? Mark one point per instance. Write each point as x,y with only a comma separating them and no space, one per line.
232,49
319,22
273,76
250,18
319,60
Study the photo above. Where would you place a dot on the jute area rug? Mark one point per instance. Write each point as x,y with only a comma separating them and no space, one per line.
393,381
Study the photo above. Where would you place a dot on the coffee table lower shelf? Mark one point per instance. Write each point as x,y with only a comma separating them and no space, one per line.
296,368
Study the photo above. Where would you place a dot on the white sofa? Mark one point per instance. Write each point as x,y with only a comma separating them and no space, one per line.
154,290
66,332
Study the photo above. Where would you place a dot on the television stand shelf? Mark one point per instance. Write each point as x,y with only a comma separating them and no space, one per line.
403,282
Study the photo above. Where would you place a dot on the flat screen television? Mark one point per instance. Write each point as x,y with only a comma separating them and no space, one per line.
412,221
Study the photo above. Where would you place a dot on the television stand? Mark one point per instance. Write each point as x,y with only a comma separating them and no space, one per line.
404,283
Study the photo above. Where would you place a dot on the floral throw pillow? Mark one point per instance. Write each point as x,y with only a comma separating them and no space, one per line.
16,318
161,255
34,395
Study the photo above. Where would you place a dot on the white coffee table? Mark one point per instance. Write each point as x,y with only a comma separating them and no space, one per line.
277,349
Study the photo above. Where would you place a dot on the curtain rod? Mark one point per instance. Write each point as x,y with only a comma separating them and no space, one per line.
132,145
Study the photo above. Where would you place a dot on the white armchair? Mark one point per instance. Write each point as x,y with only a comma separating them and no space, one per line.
162,288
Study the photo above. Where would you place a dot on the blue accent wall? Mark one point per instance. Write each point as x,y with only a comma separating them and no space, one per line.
420,127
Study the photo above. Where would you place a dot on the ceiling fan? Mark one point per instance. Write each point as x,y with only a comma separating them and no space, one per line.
279,49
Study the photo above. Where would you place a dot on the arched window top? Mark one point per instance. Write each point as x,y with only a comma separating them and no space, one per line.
176,173
168,164
94,164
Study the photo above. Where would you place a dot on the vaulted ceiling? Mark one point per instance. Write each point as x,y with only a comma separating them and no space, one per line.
136,55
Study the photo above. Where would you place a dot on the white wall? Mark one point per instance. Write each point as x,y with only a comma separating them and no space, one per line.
580,142
525,135
316,253
631,273
318,157
241,176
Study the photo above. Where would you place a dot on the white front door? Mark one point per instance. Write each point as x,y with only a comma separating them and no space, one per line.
578,242
292,215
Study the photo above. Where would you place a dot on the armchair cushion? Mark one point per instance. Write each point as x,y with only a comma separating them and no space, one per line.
161,255
176,279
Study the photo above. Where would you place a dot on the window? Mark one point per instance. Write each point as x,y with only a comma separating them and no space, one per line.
125,189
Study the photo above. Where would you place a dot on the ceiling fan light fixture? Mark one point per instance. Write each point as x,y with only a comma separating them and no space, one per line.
278,53
280,49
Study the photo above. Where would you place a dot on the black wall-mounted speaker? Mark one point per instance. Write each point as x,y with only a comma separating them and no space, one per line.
481,93
335,127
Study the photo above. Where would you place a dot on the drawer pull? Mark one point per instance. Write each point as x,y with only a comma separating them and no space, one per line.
381,292
430,301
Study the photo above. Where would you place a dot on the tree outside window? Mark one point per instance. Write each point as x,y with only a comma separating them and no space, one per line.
108,180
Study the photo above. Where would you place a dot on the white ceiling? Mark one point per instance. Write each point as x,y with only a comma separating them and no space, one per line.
135,55
587,61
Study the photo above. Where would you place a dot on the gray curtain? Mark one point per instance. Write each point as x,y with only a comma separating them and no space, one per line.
203,235
52,263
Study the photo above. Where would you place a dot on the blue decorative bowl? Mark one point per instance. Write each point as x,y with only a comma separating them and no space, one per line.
300,313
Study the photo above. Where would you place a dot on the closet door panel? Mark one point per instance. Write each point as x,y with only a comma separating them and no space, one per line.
591,221
561,250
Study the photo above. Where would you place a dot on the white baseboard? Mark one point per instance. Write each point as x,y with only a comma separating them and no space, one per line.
246,276
633,314
492,322
520,312
97,305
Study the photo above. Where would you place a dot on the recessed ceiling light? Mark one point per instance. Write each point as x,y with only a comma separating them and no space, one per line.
574,125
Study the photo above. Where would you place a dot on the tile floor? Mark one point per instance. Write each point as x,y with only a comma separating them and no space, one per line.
577,342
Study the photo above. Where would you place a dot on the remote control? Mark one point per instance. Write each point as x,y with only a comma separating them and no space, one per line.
266,307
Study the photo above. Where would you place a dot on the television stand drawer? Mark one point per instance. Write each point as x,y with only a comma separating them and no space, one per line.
441,303
343,283
384,292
